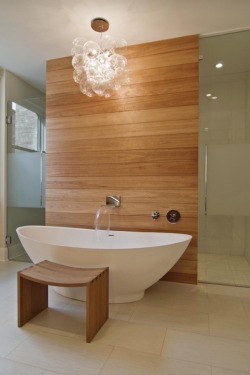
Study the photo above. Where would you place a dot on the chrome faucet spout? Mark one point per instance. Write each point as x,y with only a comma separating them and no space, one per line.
113,200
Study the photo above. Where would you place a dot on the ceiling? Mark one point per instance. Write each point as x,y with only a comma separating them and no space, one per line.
34,31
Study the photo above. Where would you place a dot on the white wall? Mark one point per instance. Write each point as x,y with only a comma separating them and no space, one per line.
11,88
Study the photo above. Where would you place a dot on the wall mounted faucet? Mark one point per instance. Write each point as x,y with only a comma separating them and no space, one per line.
113,200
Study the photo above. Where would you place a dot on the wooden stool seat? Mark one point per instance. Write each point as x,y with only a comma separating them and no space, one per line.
33,285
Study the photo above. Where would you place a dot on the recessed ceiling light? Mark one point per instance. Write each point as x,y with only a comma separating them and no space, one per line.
219,65
214,97
208,94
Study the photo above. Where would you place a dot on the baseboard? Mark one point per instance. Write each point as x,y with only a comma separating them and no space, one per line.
3,254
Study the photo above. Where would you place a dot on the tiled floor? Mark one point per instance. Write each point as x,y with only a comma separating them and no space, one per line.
175,329
224,269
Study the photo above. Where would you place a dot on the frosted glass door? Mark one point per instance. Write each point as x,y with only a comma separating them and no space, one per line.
26,171
24,179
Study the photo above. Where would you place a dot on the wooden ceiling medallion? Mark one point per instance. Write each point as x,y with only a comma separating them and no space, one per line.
100,24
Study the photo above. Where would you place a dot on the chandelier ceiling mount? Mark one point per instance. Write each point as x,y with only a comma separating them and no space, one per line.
100,25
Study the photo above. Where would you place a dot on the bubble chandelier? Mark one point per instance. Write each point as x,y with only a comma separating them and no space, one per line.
98,69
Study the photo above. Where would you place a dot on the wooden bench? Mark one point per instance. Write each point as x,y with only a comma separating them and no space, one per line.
33,285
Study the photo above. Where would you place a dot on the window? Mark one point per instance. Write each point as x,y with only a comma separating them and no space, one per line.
26,131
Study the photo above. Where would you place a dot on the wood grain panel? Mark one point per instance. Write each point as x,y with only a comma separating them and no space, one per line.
89,135
177,182
130,222
187,200
170,45
133,156
126,143
142,144
143,89
62,106
123,118
61,81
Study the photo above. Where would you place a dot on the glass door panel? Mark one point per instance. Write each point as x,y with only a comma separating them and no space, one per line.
26,171
224,160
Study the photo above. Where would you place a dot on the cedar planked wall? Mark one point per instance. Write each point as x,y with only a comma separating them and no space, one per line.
142,144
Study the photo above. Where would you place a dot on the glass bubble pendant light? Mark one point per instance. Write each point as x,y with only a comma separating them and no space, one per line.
98,68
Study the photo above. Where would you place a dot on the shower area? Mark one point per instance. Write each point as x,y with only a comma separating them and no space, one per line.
224,160
25,170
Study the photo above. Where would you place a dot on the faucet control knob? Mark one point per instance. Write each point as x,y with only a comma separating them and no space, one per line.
173,216
155,215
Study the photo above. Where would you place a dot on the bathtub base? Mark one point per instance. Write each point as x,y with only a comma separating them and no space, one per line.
80,295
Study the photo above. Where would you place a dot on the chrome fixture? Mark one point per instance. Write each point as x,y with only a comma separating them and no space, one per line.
173,216
98,69
155,215
113,200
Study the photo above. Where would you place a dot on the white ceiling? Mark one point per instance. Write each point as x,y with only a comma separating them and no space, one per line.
33,31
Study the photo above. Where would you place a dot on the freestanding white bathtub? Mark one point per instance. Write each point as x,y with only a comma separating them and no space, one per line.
136,260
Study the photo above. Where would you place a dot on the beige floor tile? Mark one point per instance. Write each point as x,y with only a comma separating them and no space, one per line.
220,266
226,305
121,311
8,310
225,277
223,325
65,322
224,269
145,338
65,355
231,354
238,263
221,371
246,307
192,303
127,362
171,318
8,367
11,336
57,300
242,277
223,290
124,361
202,272
187,346
177,367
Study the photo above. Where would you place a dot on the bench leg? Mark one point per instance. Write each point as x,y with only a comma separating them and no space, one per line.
32,299
97,304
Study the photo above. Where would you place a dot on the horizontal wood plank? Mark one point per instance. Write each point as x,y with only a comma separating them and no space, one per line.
120,183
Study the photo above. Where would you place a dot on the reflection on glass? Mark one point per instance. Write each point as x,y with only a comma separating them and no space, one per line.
224,147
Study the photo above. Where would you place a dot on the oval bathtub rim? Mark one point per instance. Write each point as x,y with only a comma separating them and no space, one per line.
185,237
